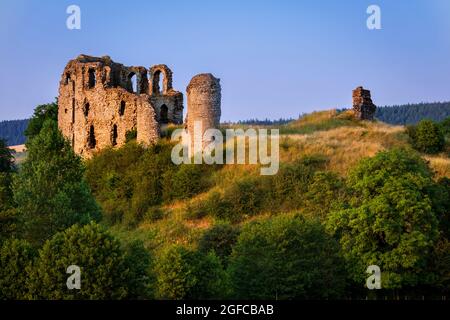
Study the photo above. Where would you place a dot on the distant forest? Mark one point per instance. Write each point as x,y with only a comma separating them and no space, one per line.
413,113
13,130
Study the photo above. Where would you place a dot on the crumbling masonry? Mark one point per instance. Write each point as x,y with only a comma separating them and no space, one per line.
362,104
204,100
100,101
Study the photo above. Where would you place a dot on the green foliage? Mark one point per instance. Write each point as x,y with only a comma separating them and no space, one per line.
8,216
185,182
286,258
42,113
445,126
104,272
220,239
440,265
130,135
325,192
427,137
6,158
49,190
185,274
141,279
390,220
130,181
15,257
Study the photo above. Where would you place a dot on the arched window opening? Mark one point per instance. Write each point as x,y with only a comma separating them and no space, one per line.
91,140
133,85
122,108
67,78
92,79
157,82
86,109
114,135
163,114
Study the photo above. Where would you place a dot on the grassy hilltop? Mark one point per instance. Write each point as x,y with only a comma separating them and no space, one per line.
336,140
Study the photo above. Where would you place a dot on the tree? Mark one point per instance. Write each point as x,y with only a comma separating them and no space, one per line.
49,190
7,212
102,261
185,274
220,239
6,158
42,113
141,280
15,257
286,258
389,220
427,137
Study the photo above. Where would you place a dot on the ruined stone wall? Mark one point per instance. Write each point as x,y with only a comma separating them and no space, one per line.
362,104
204,103
98,104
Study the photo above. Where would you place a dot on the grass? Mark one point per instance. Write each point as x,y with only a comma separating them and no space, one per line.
343,140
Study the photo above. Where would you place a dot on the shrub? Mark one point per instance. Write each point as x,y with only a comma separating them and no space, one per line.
15,257
286,258
130,135
220,238
325,192
187,274
427,137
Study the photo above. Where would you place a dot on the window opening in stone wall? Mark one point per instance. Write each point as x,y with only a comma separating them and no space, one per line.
133,79
122,108
91,140
91,78
114,135
163,114
86,109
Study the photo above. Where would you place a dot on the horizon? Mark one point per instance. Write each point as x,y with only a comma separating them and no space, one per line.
275,60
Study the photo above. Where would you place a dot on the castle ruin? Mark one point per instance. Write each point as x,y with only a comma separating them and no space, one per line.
100,101
363,105
203,99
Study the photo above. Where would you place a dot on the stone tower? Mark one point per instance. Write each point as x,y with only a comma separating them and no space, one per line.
362,104
101,100
203,100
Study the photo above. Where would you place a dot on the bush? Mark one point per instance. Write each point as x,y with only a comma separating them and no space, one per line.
185,181
15,258
129,181
325,192
427,137
220,239
139,262
130,135
104,269
286,258
49,190
390,220
187,274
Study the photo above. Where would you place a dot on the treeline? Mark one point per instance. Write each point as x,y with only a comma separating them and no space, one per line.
12,131
265,122
413,113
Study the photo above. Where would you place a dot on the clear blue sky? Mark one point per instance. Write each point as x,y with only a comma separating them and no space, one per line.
275,58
